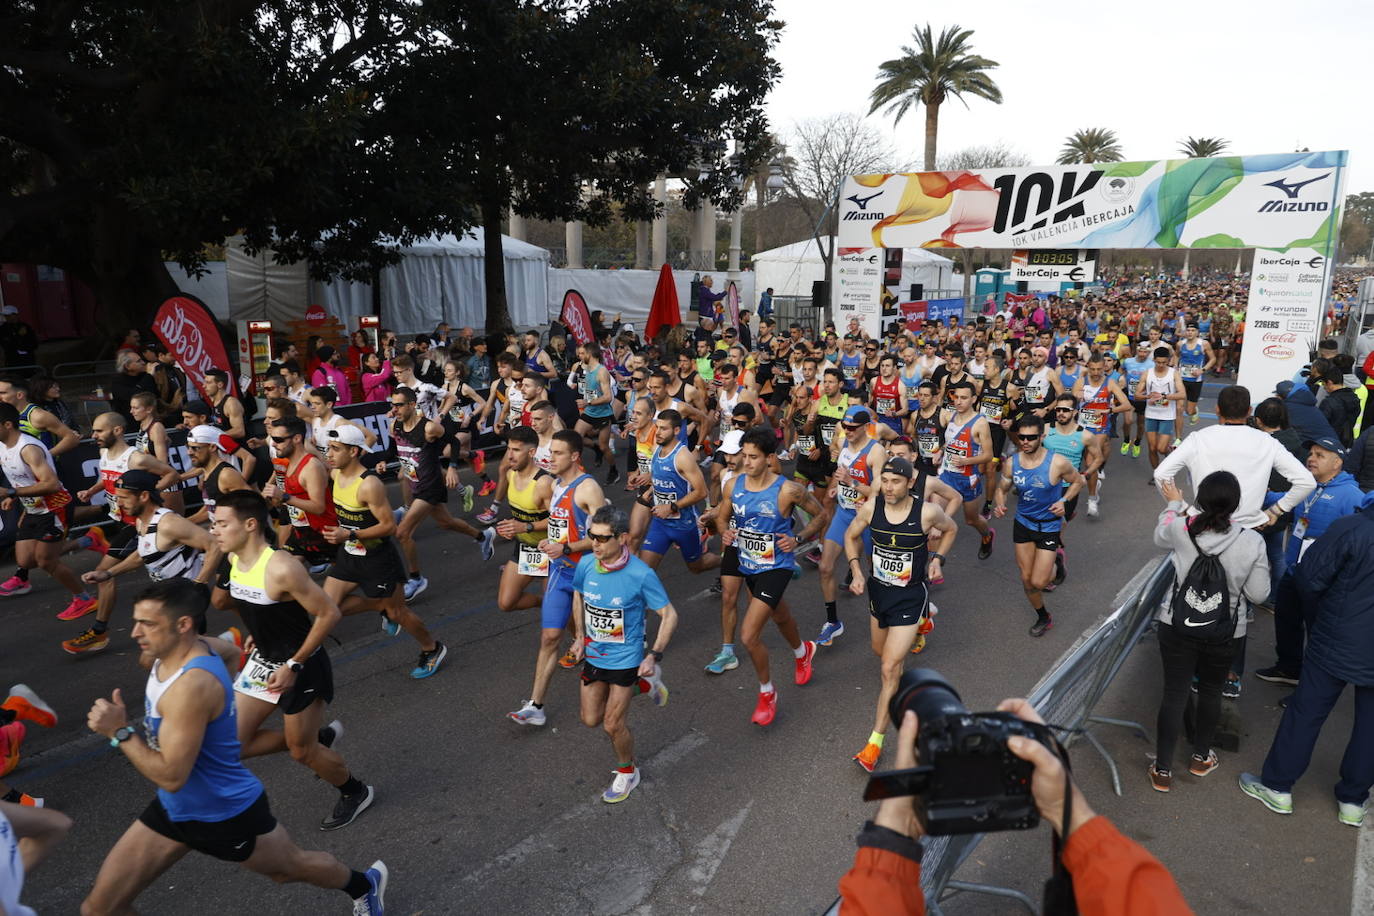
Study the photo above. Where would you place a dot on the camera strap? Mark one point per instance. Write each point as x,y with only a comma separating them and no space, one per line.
1059,899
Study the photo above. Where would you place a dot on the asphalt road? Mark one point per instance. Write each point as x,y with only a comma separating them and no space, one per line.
476,814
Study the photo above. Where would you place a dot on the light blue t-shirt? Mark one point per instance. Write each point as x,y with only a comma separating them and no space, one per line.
613,606
1135,368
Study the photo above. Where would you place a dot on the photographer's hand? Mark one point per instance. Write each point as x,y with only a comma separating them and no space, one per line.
897,814
1048,780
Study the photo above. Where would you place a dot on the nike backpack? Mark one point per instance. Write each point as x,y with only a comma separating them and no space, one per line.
1202,601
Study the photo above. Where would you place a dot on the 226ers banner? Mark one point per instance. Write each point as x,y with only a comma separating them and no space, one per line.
1285,205
188,331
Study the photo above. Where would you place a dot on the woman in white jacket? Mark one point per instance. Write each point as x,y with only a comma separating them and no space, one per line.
1243,557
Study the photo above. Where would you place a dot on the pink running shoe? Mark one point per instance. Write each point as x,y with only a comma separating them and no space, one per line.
15,586
479,461
81,606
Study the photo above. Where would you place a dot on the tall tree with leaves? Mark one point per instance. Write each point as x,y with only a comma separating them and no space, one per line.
1202,147
929,74
1093,144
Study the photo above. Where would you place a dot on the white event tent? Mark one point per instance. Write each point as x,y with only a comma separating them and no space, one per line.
791,269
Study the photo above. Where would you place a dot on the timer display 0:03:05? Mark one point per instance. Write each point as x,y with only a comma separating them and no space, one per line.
1051,258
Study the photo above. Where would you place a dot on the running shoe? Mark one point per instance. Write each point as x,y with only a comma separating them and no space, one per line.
87,642
568,660
1125,448
1231,689
765,709
479,462
235,636
413,586
925,626
1092,507
658,691
430,661
868,757
390,627
26,705
1042,626
487,488
1135,449
529,714
1277,802
15,586
813,557
398,513
1276,675
488,544
319,569
1347,813
347,809
1061,567
804,663
985,549
28,801
373,903
1101,474
1193,419
1160,779
715,588
829,632
331,734
99,543
621,786
1201,766
986,511
80,606
468,492
613,474
725,661
488,515
919,645
11,742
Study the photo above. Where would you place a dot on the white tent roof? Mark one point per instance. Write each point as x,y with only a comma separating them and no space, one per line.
472,246
791,269
807,251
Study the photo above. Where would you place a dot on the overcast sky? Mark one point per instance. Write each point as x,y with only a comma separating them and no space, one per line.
1267,76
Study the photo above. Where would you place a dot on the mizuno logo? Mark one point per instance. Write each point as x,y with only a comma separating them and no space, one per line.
1292,189
862,202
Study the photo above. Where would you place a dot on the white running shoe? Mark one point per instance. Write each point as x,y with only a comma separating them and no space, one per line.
488,544
658,691
529,714
1092,507
621,786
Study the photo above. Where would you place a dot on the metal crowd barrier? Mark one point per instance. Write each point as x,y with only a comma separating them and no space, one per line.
1065,696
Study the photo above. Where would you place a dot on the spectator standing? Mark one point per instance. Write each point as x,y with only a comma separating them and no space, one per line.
479,366
1272,417
131,376
1336,578
171,384
1340,406
1301,404
440,337
1187,659
1359,461
746,335
707,297
17,339
329,375
47,394
358,347
376,378
766,303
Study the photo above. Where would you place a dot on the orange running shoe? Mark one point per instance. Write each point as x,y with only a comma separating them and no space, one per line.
87,642
11,740
766,709
919,645
28,706
28,801
868,757
99,543
568,660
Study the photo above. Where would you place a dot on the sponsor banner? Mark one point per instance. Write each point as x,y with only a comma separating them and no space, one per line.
916,314
187,329
892,282
732,303
1054,265
1270,201
857,287
576,318
1282,317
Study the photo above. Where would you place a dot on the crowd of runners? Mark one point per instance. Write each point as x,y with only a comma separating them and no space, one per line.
862,457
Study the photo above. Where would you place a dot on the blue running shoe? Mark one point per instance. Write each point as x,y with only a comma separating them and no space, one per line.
725,661
430,661
414,586
829,632
390,627
373,903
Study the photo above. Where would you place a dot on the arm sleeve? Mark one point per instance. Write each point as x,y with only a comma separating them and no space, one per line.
1115,876
1293,471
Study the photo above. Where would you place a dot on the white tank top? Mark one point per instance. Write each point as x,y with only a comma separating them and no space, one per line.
180,561
1156,385
727,410
19,475
11,871
543,456
111,469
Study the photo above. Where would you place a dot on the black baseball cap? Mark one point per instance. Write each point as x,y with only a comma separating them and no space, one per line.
899,466
139,480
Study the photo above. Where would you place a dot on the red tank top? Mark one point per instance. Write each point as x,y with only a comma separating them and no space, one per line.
887,396
291,483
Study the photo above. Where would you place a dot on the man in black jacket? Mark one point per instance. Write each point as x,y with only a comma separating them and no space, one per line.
1340,406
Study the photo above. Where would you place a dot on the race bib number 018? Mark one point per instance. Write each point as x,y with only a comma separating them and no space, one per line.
252,680
604,624
532,561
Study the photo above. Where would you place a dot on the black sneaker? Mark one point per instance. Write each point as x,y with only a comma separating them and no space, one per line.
332,733
1061,572
1042,626
613,474
1276,675
347,809
985,549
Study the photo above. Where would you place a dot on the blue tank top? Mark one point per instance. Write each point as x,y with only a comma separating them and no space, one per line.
532,363
911,383
591,388
759,523
670,486
219,786
1069,445
1035,494
1190,361
1204,325
1069,379
1135,368
851,367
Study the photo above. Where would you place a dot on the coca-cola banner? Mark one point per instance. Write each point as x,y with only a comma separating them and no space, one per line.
576,318
187,329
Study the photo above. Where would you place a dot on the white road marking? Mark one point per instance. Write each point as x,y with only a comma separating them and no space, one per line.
711,851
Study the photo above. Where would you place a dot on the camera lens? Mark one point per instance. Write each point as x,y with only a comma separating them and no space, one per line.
927,693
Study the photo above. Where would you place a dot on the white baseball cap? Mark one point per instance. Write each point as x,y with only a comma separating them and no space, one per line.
732,442
348,434
204,435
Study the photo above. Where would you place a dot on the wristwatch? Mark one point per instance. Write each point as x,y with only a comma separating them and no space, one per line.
121,735
295,666
937,556
658,656
529,527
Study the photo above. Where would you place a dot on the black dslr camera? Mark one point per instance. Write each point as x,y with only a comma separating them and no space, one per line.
968,781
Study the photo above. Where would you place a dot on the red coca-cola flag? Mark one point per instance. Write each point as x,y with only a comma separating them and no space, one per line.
576,318
187,329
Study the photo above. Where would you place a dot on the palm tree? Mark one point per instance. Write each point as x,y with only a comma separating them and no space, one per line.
1095,144
930,73
1202,147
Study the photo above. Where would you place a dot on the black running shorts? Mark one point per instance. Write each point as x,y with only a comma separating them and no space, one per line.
768,586
620,677
232,840
377,575
1043,540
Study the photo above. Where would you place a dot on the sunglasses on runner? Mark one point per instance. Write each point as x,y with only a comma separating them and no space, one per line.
600,538
1065,409
280,439
851,428
1031,438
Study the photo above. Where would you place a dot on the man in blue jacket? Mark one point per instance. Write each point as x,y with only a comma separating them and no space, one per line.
1337,495
1336,577
1303,414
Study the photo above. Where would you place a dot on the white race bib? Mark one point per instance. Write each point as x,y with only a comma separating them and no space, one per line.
531,561
252,680
892,567
757,548
604,624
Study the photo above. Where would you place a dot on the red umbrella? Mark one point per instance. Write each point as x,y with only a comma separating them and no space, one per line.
663,313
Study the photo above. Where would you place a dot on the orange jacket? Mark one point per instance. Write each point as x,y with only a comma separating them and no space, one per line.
1112,876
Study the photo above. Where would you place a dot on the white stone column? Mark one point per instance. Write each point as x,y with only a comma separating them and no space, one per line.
573,239
707,215
736,225
517,227
642,245
659,234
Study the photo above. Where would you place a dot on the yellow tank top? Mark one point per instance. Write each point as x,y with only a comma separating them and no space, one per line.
644,448
524,505
353,514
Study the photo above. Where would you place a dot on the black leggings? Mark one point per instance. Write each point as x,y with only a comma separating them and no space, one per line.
1184,657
